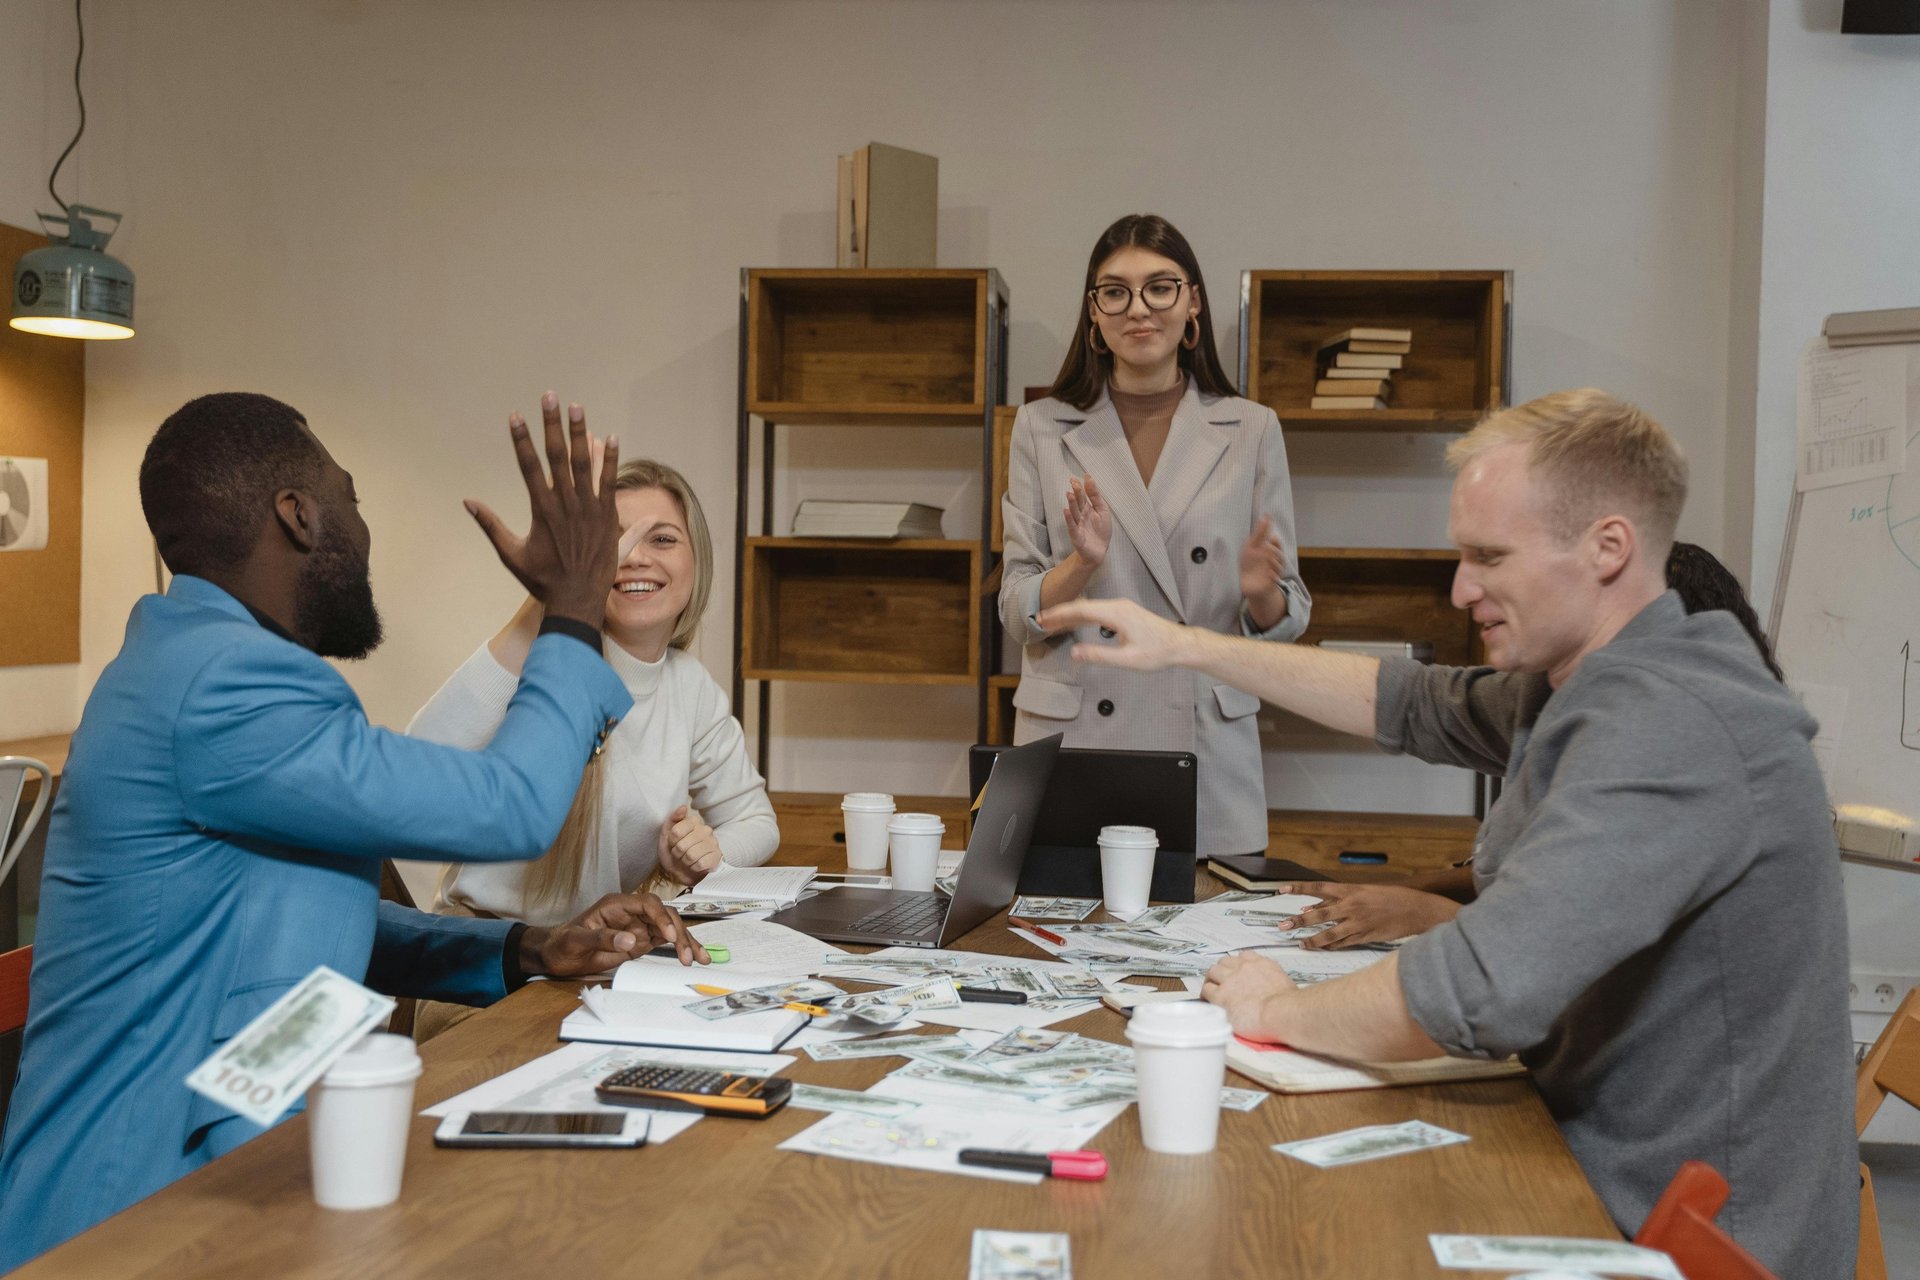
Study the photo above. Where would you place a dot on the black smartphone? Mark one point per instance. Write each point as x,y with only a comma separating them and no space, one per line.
543,1129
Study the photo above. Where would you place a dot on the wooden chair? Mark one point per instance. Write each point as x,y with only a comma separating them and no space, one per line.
1682,1226
14,967
1892,1066
394,889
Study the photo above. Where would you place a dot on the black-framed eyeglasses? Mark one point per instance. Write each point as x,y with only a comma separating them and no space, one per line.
1116,299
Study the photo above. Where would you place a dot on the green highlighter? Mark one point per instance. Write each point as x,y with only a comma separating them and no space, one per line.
715,952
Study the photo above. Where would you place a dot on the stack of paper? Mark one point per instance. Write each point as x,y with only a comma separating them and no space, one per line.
733,891
819,519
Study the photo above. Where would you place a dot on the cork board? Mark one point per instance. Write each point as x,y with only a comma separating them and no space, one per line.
42,408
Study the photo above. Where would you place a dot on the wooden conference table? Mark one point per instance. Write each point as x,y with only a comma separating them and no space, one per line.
719,1201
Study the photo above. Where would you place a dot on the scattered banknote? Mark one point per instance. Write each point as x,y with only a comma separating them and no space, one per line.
1012,977
1373,1142
754,999
976,1078
1020,1255
1077,984
894,1003
1151,941
1068,1058
1235,895
713,908
1556,1253
271,1061
881,1047
1041,1074
1136,966
1158,917
1242,1099
1028,908
813,1097
1022,1042
1097,1095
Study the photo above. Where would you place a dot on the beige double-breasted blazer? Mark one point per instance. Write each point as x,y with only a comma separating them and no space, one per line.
1176,550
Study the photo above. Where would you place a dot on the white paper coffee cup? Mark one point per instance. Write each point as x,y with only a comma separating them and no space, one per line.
1126,867
866,814
358,1117
1180,1062
913,843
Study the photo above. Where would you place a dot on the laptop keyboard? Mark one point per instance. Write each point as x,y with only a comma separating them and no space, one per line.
920,912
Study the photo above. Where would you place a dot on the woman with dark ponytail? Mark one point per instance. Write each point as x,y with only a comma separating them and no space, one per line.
1145,475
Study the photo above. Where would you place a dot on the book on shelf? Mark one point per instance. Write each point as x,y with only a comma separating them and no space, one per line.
1347,402
1369,335
1286,1070
1262,874
1364,360
820,518
888,208
1353,387
1334,372
1374,348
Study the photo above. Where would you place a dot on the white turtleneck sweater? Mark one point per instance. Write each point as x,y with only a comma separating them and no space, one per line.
679,745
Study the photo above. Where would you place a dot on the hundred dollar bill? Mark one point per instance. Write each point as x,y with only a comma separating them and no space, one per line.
1137,966
1020,1255
1556,1253
1072,1056
882,1047
1158,917
813,1097
1242,1099
1012,977
1235,895
1373,1142
895,1003
1076,984
754,999
713,908
1030,908
1090,1096
1151,941
271,1061
1022,1042
968,1078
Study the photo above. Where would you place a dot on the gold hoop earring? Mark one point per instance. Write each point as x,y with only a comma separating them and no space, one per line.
1192,340
1093,341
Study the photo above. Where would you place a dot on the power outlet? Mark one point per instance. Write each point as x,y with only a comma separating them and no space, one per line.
1878,992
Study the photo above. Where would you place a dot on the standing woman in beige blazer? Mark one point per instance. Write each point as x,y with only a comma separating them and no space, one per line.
1144,475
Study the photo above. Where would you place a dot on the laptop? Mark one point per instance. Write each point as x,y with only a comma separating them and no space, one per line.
898,918
1091,788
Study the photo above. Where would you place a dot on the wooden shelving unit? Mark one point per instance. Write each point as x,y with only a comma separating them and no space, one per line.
869,348
1456,372
1388,593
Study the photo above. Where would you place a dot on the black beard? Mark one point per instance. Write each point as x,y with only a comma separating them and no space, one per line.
333,607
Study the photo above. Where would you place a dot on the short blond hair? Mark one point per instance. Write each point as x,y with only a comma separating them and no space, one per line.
1595,455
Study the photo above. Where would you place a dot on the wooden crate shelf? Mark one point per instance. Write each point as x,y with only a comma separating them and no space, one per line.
1387,593
1002,457
892,348
861,611
1000,709
1454,375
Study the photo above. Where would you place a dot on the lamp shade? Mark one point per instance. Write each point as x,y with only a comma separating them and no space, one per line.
73,288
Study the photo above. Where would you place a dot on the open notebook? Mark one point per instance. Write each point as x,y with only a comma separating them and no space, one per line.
647,1005
1286,1070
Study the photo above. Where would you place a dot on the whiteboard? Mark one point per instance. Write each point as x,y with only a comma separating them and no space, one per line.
1846,626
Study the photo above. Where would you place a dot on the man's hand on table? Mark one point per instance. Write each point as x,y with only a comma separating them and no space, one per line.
1367,913
612,931
1242,984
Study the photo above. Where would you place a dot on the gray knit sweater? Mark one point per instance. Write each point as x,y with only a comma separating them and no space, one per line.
1659,931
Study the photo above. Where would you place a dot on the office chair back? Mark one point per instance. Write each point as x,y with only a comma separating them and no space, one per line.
1681,1225
13,783
1892,1066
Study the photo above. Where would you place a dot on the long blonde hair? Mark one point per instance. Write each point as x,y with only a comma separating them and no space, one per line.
554,876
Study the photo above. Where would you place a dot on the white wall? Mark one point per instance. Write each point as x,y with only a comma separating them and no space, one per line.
36,101
407,219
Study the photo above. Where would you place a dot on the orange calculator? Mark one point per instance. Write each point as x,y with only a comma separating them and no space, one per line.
720,1092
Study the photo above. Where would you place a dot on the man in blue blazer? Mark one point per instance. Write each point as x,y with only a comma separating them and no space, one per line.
226,806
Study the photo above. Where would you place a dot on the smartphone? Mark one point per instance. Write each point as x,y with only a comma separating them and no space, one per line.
543,1129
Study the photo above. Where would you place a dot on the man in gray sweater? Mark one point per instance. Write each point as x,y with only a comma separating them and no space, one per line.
1659,931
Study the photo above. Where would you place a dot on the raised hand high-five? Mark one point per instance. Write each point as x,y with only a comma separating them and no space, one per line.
568,556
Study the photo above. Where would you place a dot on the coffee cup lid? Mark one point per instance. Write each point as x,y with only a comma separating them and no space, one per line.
379,1058
867,802
917,824
1179,1024
1129,836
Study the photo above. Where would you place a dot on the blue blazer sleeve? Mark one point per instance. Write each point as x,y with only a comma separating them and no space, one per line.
455,958
272,743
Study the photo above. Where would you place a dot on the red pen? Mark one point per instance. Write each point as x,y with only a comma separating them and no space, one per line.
1084,1166
1031,927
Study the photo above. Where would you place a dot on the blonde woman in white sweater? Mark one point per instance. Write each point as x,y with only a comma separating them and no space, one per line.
673,793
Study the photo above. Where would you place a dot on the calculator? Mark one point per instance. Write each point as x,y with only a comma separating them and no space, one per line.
720,1092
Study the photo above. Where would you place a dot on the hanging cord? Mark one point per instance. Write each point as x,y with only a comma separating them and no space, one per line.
79,26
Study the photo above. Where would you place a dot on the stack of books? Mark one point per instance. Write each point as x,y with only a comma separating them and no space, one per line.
818,518
1356,368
